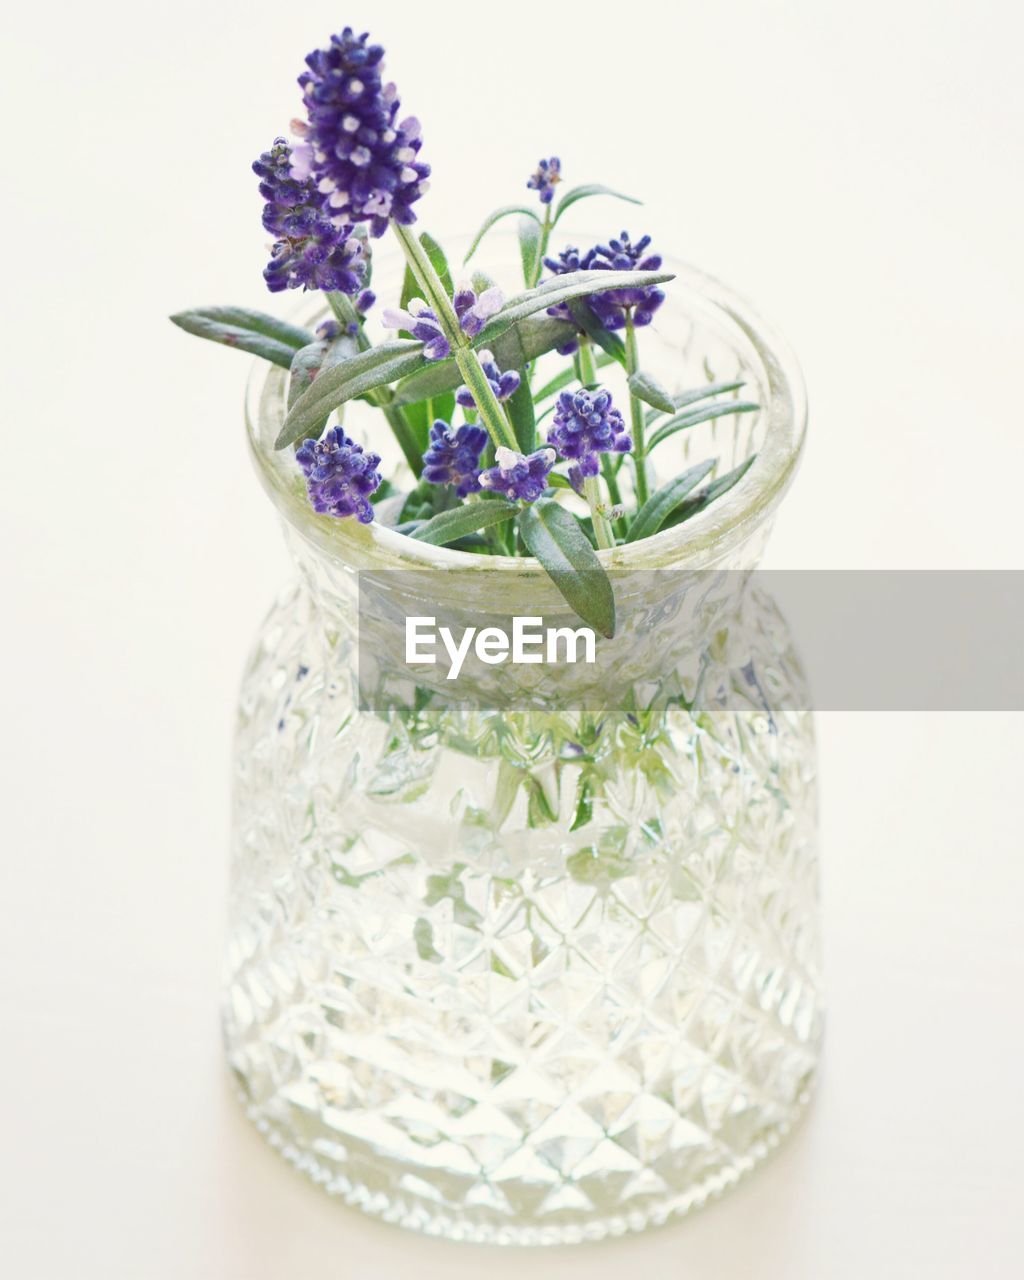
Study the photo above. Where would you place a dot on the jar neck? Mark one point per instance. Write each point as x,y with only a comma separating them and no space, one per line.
499,640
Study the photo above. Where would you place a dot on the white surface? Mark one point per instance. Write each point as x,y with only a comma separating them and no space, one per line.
855,169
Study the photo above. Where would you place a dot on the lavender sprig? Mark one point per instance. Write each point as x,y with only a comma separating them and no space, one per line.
545,178
454,457
362,159
586,424
353,173
613,306
519,476
422,322
311,249
340,476
504,385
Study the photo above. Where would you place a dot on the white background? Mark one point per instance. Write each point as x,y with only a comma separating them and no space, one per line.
857,170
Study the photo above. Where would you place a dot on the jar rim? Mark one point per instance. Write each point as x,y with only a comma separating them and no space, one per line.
697,542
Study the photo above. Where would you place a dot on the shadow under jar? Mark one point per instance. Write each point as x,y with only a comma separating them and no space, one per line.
486,985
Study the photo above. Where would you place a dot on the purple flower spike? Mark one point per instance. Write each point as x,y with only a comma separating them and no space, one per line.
504,384
475,310
519,476
610,307
621,255
312,250
454,457
361,158
587,424
339,476
422,323
545,178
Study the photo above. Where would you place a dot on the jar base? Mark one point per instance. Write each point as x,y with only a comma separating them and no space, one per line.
419,1215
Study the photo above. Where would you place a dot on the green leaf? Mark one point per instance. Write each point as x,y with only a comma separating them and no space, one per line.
660,505
422,415
557,481
521,414
429,383
312,359
584,192
505,211
650,391
512,350
721,409
437,260
251,331
595,330
702,500
304,367
682,398
258,321
567,376
529,248
584,804
554,536
351,378
575,284
456,523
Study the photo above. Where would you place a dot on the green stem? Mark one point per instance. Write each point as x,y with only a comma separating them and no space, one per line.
491,413
346,314
636,413
603,532
602,529
586,371
429,281
542,248
488,406
585,362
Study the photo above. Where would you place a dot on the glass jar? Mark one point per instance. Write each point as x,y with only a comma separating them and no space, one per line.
486,982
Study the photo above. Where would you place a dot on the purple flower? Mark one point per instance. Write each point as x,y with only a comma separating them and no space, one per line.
472,311
517,475
569,260
587,424
312,249
454,457
545,178
622,255
361,158
339,476
422,323
328,331
475,310
588,465
617,255
504,384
